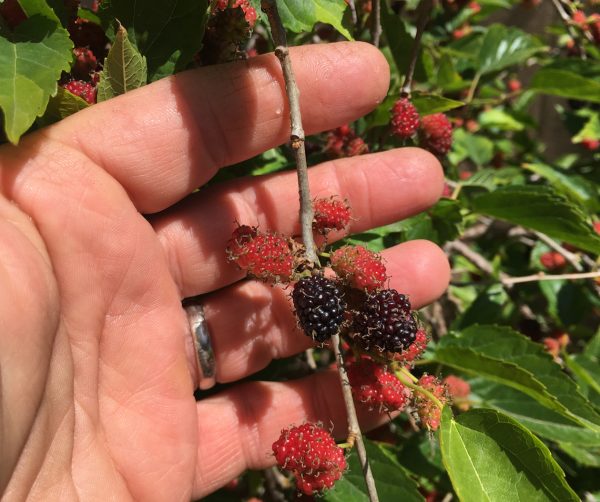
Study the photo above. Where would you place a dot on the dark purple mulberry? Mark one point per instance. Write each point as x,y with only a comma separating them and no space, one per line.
385,322
319,306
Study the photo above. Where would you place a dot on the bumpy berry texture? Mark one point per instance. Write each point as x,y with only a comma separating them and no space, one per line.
415,350
385,322
405,118
429,413
266,256
360,267
343,142
320,307
436,133
330,214
311,454
84,90
552,260
377,387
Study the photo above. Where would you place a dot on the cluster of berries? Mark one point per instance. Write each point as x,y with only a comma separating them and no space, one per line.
434,131
344,142
588,24
381,332
355,301
310,452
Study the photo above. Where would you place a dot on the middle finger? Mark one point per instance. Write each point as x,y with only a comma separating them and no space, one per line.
381,188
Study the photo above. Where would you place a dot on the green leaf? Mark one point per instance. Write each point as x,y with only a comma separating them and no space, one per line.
592,350
447,76
507,357
589,457
124,68
399,42
440,224
61,106
489,306
30,67
301,15
427,104
477,148
499,119
491,457
392,481
586,371
566,84
505,46
540,208
167,32
539,419
576,188
486,178
590,130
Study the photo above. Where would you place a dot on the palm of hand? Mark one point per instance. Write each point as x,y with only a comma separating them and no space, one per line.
97,381
117,367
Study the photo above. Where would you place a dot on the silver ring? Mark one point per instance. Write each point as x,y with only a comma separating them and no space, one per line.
205,357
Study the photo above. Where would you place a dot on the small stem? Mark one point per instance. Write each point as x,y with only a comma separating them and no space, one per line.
424,13
404,378
306,218
456,191
473,87
570,28
572,258
541,276
409,375
376,22
297,131
354,433
353,15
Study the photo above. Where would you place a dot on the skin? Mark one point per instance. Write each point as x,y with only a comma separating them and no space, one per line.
96,375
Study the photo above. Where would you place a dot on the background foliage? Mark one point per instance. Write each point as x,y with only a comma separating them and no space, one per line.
521,201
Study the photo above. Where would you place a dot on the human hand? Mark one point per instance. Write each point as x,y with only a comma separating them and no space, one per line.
96,383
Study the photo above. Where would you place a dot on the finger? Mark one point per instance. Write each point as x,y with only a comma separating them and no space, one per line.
382,188
250,419
165,139
264,326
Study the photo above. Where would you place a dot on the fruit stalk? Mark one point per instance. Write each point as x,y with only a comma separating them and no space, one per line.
376,22
306,218
354,433
297,131
424,10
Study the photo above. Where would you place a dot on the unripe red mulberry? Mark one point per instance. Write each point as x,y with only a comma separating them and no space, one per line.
312,455
436,133
405,118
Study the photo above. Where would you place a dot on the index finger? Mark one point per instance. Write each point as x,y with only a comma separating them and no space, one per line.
162,141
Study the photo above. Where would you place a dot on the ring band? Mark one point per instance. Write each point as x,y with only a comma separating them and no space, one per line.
205,357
